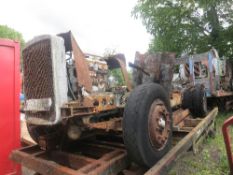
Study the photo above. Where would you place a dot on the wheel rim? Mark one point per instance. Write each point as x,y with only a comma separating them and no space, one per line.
158,124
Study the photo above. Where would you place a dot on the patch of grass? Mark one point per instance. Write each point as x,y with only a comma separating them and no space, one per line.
211,160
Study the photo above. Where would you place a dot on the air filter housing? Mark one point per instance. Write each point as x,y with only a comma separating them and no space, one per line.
45,79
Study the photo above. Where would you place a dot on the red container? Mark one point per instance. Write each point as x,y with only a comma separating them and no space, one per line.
9,105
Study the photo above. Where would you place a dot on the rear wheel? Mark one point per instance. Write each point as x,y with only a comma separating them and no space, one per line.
187,99
147,124
199,101
195,100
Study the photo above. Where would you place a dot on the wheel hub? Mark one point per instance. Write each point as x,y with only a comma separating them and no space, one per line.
158,124
162,123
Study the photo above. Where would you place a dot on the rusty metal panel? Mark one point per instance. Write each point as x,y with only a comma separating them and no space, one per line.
82,70
159,66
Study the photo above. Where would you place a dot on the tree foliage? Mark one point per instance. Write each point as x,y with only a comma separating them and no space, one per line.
118,76
115,73
7,32
188,26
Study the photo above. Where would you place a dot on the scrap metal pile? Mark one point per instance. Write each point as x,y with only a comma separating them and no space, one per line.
71,96
214,73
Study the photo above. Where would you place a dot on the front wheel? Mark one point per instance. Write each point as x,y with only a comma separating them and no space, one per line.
199,101
147,124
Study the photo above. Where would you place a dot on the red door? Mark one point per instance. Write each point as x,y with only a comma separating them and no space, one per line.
9,105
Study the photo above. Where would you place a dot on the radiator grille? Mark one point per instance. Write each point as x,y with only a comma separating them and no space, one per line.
38,75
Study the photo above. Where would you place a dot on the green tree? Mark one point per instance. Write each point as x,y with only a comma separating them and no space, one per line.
188,26
118,76
7,32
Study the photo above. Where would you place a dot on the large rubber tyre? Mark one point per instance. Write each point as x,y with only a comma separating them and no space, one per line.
199,101
135,124
187,99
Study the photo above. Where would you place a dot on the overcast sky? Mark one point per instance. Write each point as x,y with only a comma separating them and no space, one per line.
97,24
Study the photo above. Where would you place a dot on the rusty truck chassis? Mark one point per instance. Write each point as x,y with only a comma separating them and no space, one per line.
105,154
